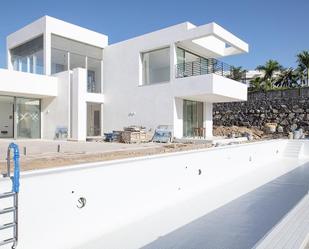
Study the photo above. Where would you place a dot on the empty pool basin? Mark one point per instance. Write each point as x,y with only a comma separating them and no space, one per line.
138,202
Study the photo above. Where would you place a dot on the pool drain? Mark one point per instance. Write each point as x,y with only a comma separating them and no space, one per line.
81,202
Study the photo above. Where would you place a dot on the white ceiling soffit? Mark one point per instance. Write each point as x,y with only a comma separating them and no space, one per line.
214,41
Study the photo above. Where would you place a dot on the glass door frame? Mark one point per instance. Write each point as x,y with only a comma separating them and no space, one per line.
195,110
15,130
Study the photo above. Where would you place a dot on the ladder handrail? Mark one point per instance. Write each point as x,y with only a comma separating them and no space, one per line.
15,189
15,178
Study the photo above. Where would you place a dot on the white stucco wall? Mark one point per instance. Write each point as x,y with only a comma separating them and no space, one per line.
56,111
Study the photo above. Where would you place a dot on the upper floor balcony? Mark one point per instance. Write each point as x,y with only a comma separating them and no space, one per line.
203,66
208,79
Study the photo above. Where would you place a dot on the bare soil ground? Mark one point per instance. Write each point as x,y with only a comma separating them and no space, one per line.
226,131
52,159
63,159
239,130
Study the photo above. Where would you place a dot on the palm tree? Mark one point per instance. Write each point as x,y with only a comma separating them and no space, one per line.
287,78
301,75
256,84
303,64
237,73
269,69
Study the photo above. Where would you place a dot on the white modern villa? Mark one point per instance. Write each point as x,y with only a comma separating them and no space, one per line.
62,78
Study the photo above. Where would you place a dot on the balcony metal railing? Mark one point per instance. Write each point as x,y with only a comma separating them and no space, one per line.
92,87
207,66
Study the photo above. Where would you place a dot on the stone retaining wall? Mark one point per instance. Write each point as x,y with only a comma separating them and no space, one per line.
288,108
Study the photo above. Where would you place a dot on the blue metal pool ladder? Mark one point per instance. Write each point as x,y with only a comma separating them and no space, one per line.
12,194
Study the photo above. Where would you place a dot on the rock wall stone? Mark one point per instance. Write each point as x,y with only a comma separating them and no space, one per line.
288,108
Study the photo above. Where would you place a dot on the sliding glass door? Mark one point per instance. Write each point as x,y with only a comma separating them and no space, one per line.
192,117
28,118
93,119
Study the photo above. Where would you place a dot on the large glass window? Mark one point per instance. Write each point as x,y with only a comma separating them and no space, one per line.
189,64
67,54
28,118
77,60
156,66
59,61
94,75
184,56
28,57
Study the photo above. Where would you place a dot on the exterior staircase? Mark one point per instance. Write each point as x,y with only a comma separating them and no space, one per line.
293,149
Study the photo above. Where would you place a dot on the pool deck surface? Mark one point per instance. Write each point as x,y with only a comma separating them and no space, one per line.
41,154
259,219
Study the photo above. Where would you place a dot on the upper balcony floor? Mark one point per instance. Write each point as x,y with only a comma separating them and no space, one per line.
13,83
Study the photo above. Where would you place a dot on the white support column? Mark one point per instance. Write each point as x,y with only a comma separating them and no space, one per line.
20,66
178,118
42,119
69,61
69,97
102,77
102,127
208,123
9,63
79,105
34,64
47,53
28,64
15,120
173,61
86,67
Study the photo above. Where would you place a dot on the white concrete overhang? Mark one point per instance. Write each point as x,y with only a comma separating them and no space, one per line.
210,88
50,25
97,98
13,83
212,41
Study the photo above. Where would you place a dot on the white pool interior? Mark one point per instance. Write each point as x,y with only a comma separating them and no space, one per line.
133,202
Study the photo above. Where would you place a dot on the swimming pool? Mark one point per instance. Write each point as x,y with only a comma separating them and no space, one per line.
130,203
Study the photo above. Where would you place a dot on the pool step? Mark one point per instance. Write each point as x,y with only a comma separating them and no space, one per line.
7,210
7,241
7,226
293,149
7,194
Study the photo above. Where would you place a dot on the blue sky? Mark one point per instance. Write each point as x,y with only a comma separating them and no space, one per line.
274,29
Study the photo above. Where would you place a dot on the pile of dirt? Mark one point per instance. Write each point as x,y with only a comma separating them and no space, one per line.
238,131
